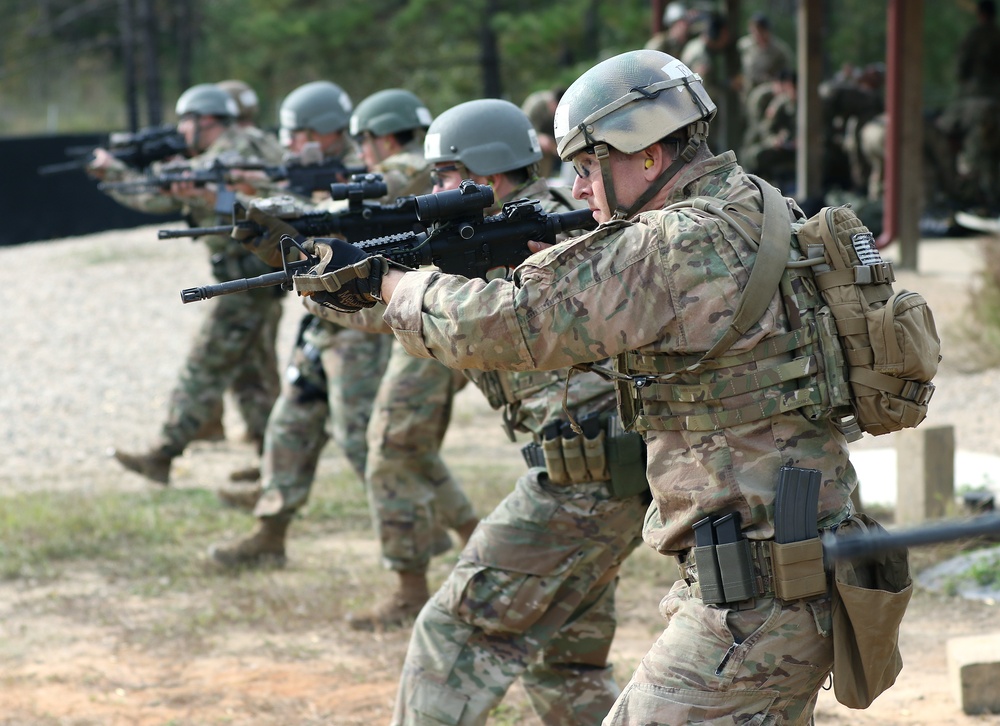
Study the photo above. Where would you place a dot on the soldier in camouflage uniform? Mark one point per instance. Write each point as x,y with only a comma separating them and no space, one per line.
331,378
762,55
657,288
972,117
239,328
533,592
412,494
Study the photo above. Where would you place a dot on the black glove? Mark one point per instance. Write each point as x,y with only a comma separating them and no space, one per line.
345,279
266,246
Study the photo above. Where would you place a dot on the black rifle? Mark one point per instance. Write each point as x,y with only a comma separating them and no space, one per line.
282,277
360,220
865,545
137,150
459,240
303,179
472,246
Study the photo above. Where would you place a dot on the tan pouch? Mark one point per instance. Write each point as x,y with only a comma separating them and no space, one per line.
798,569
552,450
595,457
869,599
576,465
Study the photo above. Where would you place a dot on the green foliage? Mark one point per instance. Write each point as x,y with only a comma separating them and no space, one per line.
60,63
985,572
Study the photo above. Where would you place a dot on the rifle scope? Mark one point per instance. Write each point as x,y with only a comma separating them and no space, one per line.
469,199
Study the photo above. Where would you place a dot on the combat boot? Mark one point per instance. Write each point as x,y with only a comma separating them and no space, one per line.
240,496
400,609
264,548
250,473
154,465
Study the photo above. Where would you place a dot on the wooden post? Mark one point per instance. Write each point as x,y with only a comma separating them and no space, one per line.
925,473
904,129
809,132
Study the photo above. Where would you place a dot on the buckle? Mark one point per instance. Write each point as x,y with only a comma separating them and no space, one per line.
919,393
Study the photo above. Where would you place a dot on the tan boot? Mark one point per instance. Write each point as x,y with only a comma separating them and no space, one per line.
400,609
154,465
250,473
240,496
264,548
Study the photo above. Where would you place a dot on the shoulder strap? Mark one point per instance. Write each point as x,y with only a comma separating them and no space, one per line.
772,256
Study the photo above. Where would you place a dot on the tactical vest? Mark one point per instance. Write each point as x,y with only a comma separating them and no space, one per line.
831,364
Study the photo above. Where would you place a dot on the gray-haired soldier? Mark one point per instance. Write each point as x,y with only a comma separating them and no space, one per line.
656,288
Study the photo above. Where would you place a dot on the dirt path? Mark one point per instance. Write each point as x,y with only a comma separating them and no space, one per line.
88,334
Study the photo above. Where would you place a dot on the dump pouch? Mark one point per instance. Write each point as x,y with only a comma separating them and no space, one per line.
869,600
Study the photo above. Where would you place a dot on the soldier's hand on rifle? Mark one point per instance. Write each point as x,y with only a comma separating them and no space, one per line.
190,191
247,181
345,279
266,246
537,246
103,160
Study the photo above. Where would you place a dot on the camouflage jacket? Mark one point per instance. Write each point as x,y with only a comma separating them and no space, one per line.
405,173
663,283
763,63
235,141
531,399
348,155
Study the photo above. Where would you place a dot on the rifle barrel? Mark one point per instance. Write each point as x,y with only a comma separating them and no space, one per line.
194,294
225,229
864,545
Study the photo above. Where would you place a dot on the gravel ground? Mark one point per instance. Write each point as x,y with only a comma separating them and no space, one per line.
95,333
88,363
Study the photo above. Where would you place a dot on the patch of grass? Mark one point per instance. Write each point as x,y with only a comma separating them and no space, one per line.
985,572
41,533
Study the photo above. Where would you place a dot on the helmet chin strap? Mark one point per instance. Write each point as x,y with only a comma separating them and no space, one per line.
698,135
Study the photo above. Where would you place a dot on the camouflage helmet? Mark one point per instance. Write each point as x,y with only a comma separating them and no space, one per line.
320,106
245,97
630,102
487,136
206,99
389,112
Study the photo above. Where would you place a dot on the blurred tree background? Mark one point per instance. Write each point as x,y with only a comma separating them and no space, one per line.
65,64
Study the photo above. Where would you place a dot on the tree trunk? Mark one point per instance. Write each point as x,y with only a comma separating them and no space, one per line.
490,57
126,33
154,92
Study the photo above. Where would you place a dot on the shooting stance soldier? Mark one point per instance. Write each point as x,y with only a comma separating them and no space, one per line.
656,288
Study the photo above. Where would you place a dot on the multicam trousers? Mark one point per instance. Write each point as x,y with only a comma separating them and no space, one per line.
332,378
532,596
412,495
762,666
231,344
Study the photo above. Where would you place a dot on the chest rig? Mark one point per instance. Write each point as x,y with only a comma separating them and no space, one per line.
797,370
